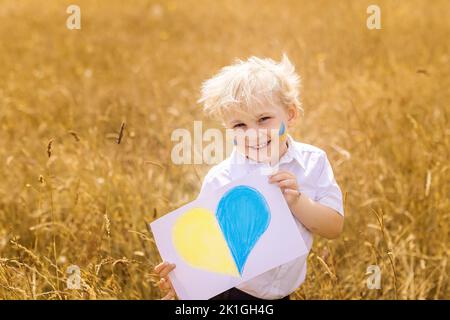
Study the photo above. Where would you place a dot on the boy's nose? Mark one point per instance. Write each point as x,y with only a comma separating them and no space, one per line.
256,136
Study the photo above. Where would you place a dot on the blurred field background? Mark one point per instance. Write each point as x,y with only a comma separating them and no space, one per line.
377,101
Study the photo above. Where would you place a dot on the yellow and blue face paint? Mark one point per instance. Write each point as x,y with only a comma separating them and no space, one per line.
282,132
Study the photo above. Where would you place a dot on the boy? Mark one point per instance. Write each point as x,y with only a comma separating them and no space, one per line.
262,96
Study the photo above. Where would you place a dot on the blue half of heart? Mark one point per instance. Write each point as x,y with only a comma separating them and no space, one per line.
243,215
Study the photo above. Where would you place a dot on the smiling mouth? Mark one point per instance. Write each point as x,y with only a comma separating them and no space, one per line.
260,146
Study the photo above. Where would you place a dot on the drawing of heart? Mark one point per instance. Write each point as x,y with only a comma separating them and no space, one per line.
222,242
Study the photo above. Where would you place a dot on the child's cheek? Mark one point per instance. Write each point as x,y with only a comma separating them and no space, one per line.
271,128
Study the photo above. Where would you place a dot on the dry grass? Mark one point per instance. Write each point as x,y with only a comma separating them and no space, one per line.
376,101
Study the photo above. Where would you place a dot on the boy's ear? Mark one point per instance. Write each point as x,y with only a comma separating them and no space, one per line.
293,114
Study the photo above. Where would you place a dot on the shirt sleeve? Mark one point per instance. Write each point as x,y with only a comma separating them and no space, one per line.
206,185
328,191
211,182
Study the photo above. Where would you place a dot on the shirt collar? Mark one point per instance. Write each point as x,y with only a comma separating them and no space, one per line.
293,152
241,165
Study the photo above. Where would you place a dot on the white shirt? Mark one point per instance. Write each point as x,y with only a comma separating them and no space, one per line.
315,179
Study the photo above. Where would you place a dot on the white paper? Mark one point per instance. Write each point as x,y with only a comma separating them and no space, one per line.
280,243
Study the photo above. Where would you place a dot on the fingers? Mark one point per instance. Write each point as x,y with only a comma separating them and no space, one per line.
281,175
169,296
164,284
288,184
164,268
158,268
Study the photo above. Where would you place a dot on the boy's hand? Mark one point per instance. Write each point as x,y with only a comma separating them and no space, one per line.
288,184
164,284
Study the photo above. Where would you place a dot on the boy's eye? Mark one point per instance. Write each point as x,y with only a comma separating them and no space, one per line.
239,125
264,119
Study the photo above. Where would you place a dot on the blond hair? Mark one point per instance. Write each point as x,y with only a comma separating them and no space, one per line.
245,84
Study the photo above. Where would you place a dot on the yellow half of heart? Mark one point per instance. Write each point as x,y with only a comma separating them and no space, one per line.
198,239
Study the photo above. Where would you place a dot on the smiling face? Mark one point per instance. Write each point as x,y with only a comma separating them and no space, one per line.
259,131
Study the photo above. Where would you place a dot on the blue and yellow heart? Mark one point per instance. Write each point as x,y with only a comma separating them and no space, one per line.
222,242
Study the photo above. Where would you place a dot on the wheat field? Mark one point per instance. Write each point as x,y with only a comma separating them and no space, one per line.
377,101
